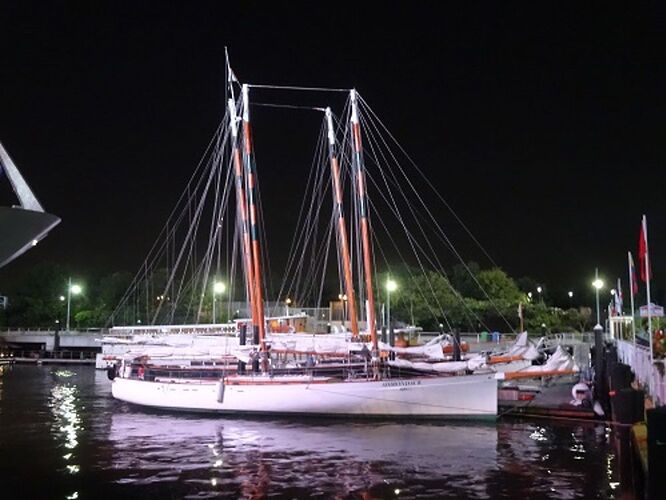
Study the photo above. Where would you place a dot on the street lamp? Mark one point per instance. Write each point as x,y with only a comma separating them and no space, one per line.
539,290
218,288
287,303
570,294
529,296
598,284
71,289
344,306
391,286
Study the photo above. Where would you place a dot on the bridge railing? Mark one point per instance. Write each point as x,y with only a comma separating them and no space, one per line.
46,331
60,354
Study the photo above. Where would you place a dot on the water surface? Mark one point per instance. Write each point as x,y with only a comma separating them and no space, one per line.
62,435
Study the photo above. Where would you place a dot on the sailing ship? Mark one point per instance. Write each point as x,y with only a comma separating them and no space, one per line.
349,374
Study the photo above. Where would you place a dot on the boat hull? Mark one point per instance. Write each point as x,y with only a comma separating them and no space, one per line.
431,397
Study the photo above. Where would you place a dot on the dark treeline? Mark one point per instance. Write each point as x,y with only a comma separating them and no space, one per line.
39,298
468,297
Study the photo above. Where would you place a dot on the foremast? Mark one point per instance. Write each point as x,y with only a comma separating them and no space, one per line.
343,245
241,207
362,200
250,172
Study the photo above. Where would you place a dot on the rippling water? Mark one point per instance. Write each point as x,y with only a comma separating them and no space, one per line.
63,436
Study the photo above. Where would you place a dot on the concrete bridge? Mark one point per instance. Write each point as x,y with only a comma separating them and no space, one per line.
50,340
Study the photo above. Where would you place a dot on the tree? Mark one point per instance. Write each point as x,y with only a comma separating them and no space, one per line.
463,280
34,301
426,299
499,286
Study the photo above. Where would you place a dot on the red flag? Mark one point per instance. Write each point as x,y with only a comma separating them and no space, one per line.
643,252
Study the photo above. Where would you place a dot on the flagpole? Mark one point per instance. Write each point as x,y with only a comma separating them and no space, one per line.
647,282
631,295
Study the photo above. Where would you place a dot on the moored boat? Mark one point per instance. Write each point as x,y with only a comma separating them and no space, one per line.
336,375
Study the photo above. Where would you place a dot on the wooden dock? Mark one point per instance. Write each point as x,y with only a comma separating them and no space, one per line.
549,402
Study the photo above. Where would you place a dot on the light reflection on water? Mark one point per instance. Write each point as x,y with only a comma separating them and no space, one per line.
93,441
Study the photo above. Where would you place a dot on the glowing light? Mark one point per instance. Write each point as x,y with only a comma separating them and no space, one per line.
75,289
570,294
598,284
391,286
219,287
64,407
34,242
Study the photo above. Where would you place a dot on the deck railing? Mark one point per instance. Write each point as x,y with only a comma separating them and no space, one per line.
650,376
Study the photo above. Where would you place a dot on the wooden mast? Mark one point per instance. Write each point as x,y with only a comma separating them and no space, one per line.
362,197
343,246
242,210
250,171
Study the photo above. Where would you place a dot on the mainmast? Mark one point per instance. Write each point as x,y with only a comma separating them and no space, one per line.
343,246
242,210
362,198
250,172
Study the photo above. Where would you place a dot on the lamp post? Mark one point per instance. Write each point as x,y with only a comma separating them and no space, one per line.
71,289
287,303
570,294
343,302
218,288
391,286
539,290
344,307
598,285
529,296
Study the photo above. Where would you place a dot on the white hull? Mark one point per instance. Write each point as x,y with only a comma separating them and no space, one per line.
455,396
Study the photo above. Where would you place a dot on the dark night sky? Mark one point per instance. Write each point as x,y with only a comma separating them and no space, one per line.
543,126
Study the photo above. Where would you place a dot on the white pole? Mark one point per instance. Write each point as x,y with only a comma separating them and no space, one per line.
647,282
631,295
596,277
213,306
69,299
388,312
